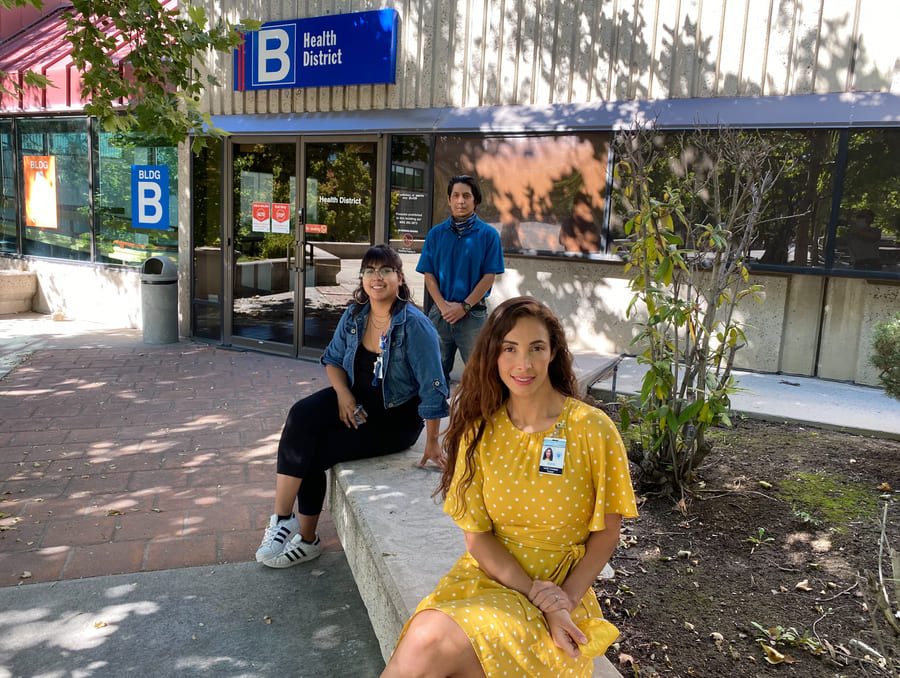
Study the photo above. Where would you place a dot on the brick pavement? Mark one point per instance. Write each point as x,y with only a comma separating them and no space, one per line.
140,458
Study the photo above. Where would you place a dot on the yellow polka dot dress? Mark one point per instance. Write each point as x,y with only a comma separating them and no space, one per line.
543,518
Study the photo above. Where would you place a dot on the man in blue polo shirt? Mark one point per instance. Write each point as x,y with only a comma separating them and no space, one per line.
460,259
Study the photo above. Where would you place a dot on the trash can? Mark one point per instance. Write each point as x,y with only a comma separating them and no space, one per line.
159,300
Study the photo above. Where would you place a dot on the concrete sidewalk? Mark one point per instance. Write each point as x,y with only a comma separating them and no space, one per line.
135,482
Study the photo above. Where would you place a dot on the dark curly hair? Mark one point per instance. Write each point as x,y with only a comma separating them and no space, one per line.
375,257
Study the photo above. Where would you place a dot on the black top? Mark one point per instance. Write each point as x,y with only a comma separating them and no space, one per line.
370,396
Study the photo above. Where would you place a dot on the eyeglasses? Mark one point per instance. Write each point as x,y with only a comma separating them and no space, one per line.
382,272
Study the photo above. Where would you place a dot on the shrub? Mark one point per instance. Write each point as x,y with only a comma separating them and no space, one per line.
886,354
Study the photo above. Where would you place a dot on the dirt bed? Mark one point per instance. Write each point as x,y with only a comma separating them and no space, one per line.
786,523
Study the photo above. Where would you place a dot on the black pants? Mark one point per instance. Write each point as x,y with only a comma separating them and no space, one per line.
314,439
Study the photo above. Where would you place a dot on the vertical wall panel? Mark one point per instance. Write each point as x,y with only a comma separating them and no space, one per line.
507,53
806,48
624,47
756,47
583,39
562,54
877,62
527,46
473,65
709,46
544,74
645,59
490,87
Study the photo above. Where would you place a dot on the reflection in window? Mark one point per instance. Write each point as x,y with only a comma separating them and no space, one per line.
206,230
7,190
868,229
793,228
55,183
544,194
121,239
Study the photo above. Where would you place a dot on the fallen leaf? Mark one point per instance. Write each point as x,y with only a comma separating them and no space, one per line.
267,619
764,484
884,487
25,575
114,512
803,585
773,656
716,636
681,507
625,659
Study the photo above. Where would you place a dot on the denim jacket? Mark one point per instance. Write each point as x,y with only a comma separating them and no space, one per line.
412,359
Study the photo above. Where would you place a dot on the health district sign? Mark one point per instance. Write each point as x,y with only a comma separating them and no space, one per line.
359,48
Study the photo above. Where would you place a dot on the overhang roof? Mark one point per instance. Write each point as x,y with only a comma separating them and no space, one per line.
42,48
858,109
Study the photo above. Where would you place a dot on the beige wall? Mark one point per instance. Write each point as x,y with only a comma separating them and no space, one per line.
497,52
110,296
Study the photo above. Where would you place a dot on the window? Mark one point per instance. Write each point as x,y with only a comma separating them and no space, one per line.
868,228
8,237
55,182
410,216
206,240
797,228
123,235
544,194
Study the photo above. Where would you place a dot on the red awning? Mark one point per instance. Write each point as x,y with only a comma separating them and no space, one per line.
42,48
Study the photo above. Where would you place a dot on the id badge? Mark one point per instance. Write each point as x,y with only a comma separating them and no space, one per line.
553,456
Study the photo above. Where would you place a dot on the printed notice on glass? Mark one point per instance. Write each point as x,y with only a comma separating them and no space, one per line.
40,190
261,212
281,217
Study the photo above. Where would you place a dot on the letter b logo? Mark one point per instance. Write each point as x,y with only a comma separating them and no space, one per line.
275,55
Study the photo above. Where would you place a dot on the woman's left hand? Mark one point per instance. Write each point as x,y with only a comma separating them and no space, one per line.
565,634
548,597
432,452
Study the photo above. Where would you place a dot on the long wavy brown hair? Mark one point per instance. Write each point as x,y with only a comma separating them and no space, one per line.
481,392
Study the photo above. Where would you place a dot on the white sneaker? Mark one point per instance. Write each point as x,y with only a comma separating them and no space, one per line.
296,551
278,534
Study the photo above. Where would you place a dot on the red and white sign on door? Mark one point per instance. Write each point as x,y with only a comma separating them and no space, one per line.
261,212
281,217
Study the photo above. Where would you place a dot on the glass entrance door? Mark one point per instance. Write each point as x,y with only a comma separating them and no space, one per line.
340,214
291,272
264,246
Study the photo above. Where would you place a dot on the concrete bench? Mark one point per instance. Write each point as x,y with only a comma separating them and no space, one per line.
17,290
398,540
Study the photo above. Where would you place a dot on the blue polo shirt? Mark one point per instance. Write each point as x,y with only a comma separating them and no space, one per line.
459,261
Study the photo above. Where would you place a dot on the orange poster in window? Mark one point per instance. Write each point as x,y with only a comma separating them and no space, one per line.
40,190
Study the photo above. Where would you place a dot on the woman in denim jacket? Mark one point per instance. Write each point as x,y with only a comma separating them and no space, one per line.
384,366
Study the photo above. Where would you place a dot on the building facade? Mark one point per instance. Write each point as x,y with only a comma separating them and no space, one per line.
333,144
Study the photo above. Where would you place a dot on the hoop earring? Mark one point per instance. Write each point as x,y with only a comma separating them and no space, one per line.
401,298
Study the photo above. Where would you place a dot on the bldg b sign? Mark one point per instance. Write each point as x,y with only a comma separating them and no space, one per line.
150,196
359,48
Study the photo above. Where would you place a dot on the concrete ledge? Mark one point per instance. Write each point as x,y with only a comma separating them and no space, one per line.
398,540
17,290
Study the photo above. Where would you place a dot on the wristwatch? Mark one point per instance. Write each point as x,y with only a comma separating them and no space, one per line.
467,307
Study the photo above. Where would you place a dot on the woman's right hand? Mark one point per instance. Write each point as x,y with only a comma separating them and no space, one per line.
565,634
346,407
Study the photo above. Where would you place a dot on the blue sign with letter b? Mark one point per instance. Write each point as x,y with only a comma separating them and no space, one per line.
150,196
359,48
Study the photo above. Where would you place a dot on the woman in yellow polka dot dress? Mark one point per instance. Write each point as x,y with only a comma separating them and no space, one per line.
539,528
